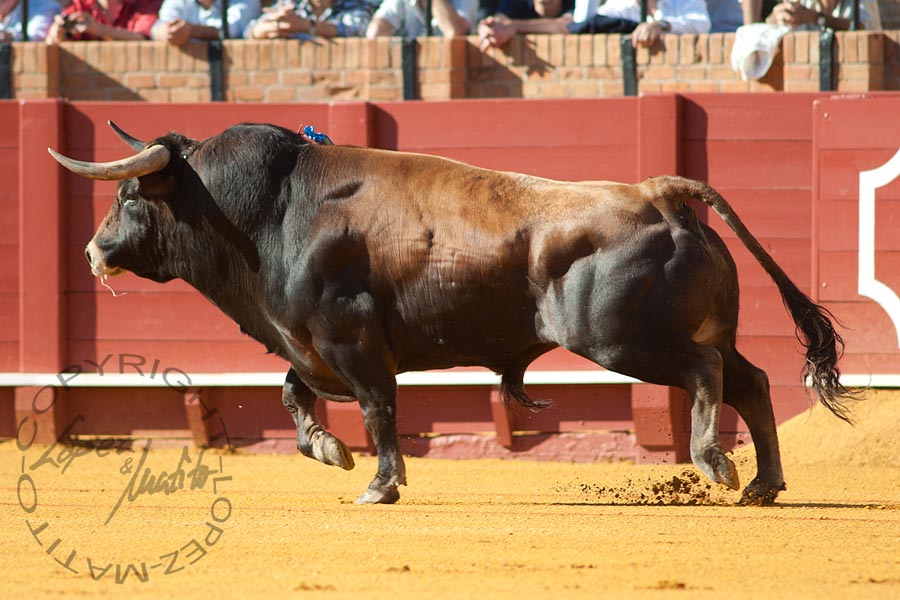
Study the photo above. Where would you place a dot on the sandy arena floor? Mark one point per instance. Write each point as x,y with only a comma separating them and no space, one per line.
285,526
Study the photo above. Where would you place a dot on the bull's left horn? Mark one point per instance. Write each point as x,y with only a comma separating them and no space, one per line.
129,139
148,160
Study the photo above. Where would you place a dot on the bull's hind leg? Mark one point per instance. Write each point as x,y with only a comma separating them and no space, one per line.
698,370
312,440
746,388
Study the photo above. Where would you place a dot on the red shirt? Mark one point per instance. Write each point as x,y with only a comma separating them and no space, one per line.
133,15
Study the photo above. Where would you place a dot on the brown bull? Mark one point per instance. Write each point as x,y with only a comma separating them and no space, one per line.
355,264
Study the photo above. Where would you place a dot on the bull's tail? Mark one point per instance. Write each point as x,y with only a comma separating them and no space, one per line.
814,323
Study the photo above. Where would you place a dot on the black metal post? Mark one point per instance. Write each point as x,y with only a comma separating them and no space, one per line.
410,69
428,30
629,67
826,60
225,34
25,20
6,91
854,15
216,71
643,10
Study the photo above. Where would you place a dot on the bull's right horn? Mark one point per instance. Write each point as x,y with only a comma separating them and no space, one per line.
149,160
132,141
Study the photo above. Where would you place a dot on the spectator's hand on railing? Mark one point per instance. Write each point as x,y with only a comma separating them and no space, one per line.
646,34
280,21
82,22
177,32
495,32
791,13
58,31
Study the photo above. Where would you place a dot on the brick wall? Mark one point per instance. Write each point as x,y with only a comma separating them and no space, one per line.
534,66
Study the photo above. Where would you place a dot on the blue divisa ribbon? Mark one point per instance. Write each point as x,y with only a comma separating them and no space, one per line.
318,137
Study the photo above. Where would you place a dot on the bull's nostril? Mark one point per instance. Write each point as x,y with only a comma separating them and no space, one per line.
87,255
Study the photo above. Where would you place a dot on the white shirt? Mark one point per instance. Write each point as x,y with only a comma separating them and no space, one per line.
240,12
409,21
685,16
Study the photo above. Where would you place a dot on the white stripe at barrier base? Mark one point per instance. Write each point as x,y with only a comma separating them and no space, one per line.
179,379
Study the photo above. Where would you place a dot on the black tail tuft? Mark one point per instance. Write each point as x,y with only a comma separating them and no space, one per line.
824,348
513,391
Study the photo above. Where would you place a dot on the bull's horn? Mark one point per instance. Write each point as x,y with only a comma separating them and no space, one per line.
135,143
149,160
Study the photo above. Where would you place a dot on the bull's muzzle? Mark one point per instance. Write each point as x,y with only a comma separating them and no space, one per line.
99,268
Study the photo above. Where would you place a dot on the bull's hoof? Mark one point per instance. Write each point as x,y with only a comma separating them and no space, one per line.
757,494
333,451
718,467
329,450
726,473
379,496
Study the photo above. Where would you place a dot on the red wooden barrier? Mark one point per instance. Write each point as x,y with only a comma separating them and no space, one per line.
783,164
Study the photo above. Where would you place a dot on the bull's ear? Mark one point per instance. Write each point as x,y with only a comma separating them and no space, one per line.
136,144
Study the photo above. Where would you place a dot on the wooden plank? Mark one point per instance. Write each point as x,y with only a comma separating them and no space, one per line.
9,124
839,173
748,116
111,411
765,164
577,408
762,313
41,219
502,418
866,328
9,356
170,316
781,357
519,123
87,129
870,363
768,213
9,316
857,122
9,269
47,411
659,135
838,274
423,409
190,356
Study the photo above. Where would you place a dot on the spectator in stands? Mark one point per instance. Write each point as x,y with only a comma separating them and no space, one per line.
725,16
40,16
310,18
104,20
817,14
181,21
524,16
663,16
406,18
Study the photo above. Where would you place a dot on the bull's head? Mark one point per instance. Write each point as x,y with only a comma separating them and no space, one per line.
132,235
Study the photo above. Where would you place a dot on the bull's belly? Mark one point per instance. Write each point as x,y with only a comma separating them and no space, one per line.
462,345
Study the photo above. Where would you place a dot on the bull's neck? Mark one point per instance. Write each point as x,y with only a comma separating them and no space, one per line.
231,275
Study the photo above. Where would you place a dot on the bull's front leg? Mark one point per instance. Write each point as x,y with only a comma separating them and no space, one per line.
312,440
380,414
